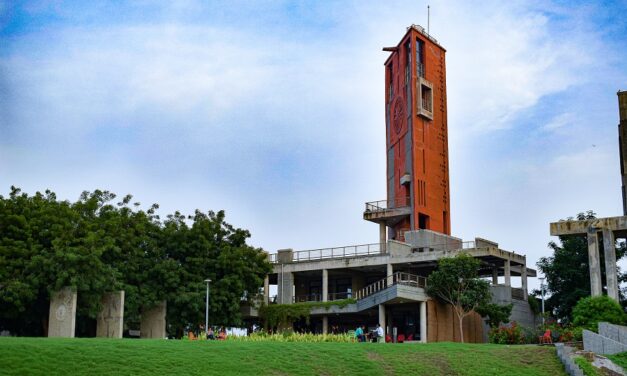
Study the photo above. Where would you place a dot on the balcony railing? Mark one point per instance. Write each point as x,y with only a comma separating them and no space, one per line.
338,252
398,202
318,297
451,246
398,278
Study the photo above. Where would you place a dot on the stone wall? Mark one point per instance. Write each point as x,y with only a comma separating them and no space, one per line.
110,322
443,325
62,316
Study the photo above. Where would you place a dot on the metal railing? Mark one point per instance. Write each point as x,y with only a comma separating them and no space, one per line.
398,278
398,202
318,297
272,258
337,252
426,104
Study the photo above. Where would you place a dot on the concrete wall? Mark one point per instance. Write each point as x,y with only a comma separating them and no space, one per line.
521,311
443,325
599,344
436,240
62,316
153,322
616,332
110,322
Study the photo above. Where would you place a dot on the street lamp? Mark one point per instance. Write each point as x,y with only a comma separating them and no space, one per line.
542,292
207,307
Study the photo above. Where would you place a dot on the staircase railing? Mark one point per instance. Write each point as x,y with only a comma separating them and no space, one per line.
398,278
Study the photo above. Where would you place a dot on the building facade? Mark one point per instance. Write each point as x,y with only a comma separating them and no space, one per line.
387,280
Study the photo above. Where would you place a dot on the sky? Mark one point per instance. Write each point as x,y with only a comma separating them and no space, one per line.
273,110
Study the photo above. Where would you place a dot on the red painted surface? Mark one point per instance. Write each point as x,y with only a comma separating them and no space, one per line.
428,137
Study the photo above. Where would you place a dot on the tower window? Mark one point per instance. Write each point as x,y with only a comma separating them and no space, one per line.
425,98
420,58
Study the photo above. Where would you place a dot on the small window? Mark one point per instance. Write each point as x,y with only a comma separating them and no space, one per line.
427,98
423,221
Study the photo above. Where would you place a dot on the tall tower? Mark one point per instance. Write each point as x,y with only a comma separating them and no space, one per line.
416,139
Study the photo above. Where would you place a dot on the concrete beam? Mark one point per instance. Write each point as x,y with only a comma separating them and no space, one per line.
110,322
62,315
611,274
593,260
581,227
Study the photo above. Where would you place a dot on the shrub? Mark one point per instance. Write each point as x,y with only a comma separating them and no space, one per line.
294,337
594,309
507,335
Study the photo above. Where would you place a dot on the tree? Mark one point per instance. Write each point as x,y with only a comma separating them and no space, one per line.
590,311
495,313
567,272
456,282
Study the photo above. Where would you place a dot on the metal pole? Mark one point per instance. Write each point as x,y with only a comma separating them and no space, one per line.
207,307
542,292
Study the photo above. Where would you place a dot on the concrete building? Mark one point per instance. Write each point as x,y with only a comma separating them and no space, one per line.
602,233
388,279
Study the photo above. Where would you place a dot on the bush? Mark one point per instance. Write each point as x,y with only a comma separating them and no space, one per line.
507,335
294,337
594,309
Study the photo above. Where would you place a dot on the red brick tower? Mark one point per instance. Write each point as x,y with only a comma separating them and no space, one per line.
416,139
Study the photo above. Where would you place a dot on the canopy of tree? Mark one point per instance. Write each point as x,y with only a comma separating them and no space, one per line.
456,282
97,245
568,275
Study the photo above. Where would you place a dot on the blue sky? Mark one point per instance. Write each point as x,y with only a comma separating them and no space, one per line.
274,111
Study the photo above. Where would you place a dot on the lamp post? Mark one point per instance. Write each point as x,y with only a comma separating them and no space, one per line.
207,307
542,293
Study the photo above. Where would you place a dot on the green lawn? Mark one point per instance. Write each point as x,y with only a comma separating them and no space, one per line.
48,356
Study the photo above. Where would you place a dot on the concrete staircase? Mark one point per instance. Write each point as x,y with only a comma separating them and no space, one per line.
611,339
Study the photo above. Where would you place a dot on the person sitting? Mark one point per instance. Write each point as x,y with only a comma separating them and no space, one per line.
222,334
210,334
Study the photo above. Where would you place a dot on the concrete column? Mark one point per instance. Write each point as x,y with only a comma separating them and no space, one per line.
495,275
609,250
110,323
325,324
286,287
423,322
325,285
152,323
62,315
595,267
389,274
383,237
508,273
523,278
266,290
382,317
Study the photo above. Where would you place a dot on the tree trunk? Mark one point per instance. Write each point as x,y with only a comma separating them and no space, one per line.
460,317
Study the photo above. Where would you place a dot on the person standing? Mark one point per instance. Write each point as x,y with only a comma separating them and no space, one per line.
380,334
359,334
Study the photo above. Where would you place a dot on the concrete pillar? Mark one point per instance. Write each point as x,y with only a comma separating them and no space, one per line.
266,290
495,275
62,315
383,237
325,285
286,287
508,273
523,278
595,267
423,322
382,317
110,322
325,324
389,274
152,323
611,275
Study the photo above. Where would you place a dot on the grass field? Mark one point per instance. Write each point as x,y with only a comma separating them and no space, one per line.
48,356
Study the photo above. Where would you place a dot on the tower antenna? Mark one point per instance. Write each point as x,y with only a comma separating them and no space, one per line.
428,18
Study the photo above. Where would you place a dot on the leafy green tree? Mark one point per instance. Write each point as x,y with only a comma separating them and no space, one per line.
567,272
495,313
456,282
590,311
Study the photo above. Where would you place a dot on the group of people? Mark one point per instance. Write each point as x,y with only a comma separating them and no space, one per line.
208,334
377,335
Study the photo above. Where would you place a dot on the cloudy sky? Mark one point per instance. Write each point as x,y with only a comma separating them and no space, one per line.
273,111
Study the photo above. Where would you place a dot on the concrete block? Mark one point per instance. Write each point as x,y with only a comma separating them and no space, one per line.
110,322
62,316
153,322
616,332
599,344
427,239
